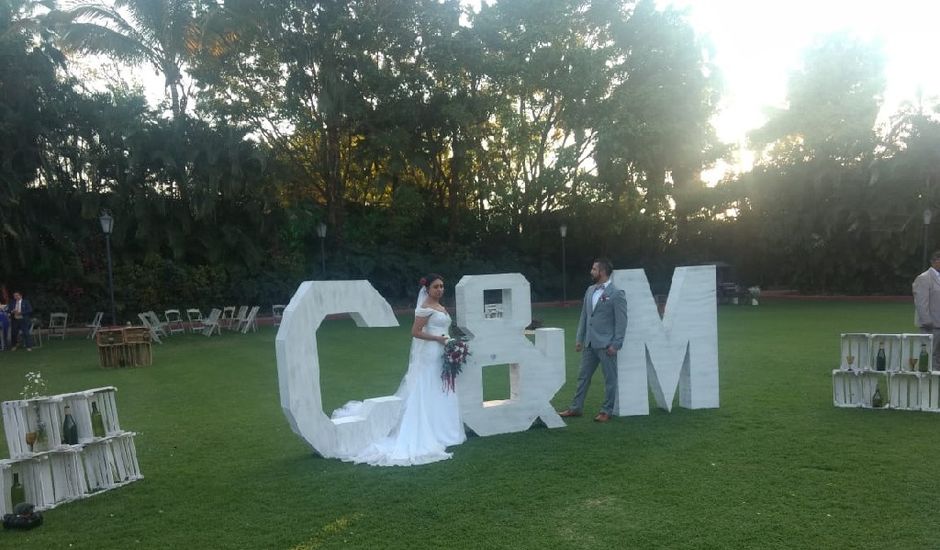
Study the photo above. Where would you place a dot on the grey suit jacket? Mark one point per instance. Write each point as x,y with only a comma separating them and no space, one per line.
927,299
606,324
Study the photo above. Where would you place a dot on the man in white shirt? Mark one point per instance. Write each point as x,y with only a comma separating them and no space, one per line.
927,304
601,330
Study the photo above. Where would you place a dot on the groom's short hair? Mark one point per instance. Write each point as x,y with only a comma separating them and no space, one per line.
606,265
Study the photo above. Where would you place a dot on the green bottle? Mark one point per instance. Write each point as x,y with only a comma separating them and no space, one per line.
69,428
881,360
876,400
924,359
17,494
97,423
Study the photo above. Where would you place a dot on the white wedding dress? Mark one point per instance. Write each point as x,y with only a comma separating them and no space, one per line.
430,415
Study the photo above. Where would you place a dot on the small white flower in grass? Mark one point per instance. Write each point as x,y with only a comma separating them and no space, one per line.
35,385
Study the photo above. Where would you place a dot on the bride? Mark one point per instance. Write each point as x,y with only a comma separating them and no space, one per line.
430,415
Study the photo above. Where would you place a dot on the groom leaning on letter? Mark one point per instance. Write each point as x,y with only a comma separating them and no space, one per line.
601,330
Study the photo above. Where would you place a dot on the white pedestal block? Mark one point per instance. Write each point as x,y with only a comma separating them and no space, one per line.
298,367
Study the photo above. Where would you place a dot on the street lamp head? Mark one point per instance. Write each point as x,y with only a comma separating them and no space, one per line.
107,223
321,230
928,215
563,230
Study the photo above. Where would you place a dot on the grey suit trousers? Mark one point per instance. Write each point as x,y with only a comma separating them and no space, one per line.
590,358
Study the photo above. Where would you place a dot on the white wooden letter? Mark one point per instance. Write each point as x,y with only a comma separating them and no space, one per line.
678,351
536,372
298,367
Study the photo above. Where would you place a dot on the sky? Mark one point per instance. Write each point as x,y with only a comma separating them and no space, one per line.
759,43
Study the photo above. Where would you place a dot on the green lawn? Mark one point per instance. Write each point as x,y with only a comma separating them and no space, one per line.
776,466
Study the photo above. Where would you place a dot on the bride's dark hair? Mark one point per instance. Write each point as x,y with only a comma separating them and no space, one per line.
428,279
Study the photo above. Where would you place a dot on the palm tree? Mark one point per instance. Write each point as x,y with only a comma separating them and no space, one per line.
162,33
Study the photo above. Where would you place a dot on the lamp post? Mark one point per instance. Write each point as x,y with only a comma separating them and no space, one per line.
927,216
321,232
564,276
107,224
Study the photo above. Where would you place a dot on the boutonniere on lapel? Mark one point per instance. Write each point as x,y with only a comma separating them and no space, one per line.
605,297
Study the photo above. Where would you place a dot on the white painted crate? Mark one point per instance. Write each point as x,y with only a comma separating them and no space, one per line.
23,416
60,473
36,477
125,458
68,476
868,381
892,344
846,388
854,345
930,392
107,406
905,390
910,349
111,462
6,483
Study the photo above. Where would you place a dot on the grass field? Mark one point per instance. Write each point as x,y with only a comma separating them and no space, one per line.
777,466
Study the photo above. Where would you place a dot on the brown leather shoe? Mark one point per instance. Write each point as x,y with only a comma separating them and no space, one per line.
602,417
568,413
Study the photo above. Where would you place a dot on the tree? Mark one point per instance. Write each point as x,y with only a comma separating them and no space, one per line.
162,33
30,100
658,137
832,103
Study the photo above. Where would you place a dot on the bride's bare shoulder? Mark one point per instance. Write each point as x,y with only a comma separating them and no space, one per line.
433,307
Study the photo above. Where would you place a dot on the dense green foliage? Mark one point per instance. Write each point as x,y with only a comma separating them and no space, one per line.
776,466
428,137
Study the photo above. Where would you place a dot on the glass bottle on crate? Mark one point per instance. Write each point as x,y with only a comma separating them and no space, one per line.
924,359
97,423
876,400
17,493
881,360
69,428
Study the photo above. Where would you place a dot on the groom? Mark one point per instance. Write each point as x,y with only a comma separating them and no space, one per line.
600,335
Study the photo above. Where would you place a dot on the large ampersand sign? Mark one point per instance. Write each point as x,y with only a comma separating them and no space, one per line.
298,367
536,372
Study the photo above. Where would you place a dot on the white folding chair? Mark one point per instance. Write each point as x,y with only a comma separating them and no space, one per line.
277,311
196,322
228,317
145,320
95,324
492,311
250,321
158,326
58,322
174,321
212,324
35,332
239,318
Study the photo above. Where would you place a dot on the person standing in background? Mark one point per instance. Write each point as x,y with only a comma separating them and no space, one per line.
927,304
22,314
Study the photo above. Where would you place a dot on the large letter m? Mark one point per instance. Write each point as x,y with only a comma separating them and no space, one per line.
678,351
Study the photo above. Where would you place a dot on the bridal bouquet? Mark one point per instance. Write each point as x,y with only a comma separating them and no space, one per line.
456,352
